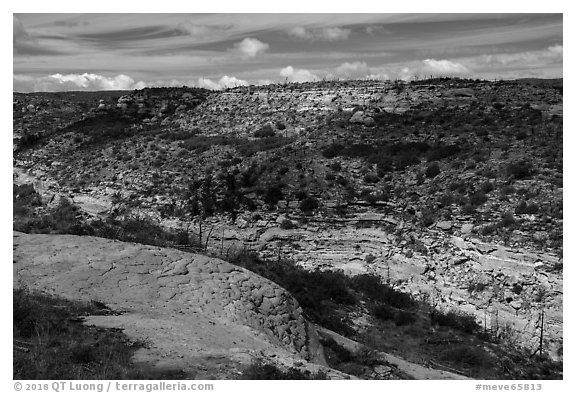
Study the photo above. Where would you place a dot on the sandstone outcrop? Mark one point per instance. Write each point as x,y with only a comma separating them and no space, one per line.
184,304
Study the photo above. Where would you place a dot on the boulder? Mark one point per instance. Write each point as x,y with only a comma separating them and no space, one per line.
361,118
444,225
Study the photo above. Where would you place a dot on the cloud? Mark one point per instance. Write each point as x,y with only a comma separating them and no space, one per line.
251,47
357,69
383,76
21,40
224,82
297,75
552,54
19,33
330,34
443,67
69,82
198,31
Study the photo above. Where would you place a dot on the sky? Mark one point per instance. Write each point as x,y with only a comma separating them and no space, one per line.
60,52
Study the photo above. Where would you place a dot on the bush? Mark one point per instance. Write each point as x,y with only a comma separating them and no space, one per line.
489,229
264,132
287,224
524,208
487,187
455,319
478,198
273,194
259,371
404,318
383,312
520,170
24,199
440,152
432,170
508,220
333,150
371,178
428,217
375,290
308,205
467,355
337,353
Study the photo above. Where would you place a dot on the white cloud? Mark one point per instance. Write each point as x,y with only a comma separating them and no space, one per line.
552,54
224,82
86,81
443,67
198,31
322,34
357,69
297,75
95,81
383,76
251,47
405,74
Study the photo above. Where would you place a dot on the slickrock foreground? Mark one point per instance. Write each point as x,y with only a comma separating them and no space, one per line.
192,309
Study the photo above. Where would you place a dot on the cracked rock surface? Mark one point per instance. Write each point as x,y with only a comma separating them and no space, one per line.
197,313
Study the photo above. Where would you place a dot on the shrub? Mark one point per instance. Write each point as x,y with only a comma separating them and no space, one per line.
489,229
383,312
337,351
24,199
455,319
478,198
404,318
273,194
524,208
287,224
308,205
264,132
476,287
384,166
259,371
375,290
520,170
445,200
333,150
487,187
440,152
428,217
432,170
458,186
467,355
336,166
371,178
508,220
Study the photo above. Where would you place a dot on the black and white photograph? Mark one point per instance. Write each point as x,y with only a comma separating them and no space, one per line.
287,196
